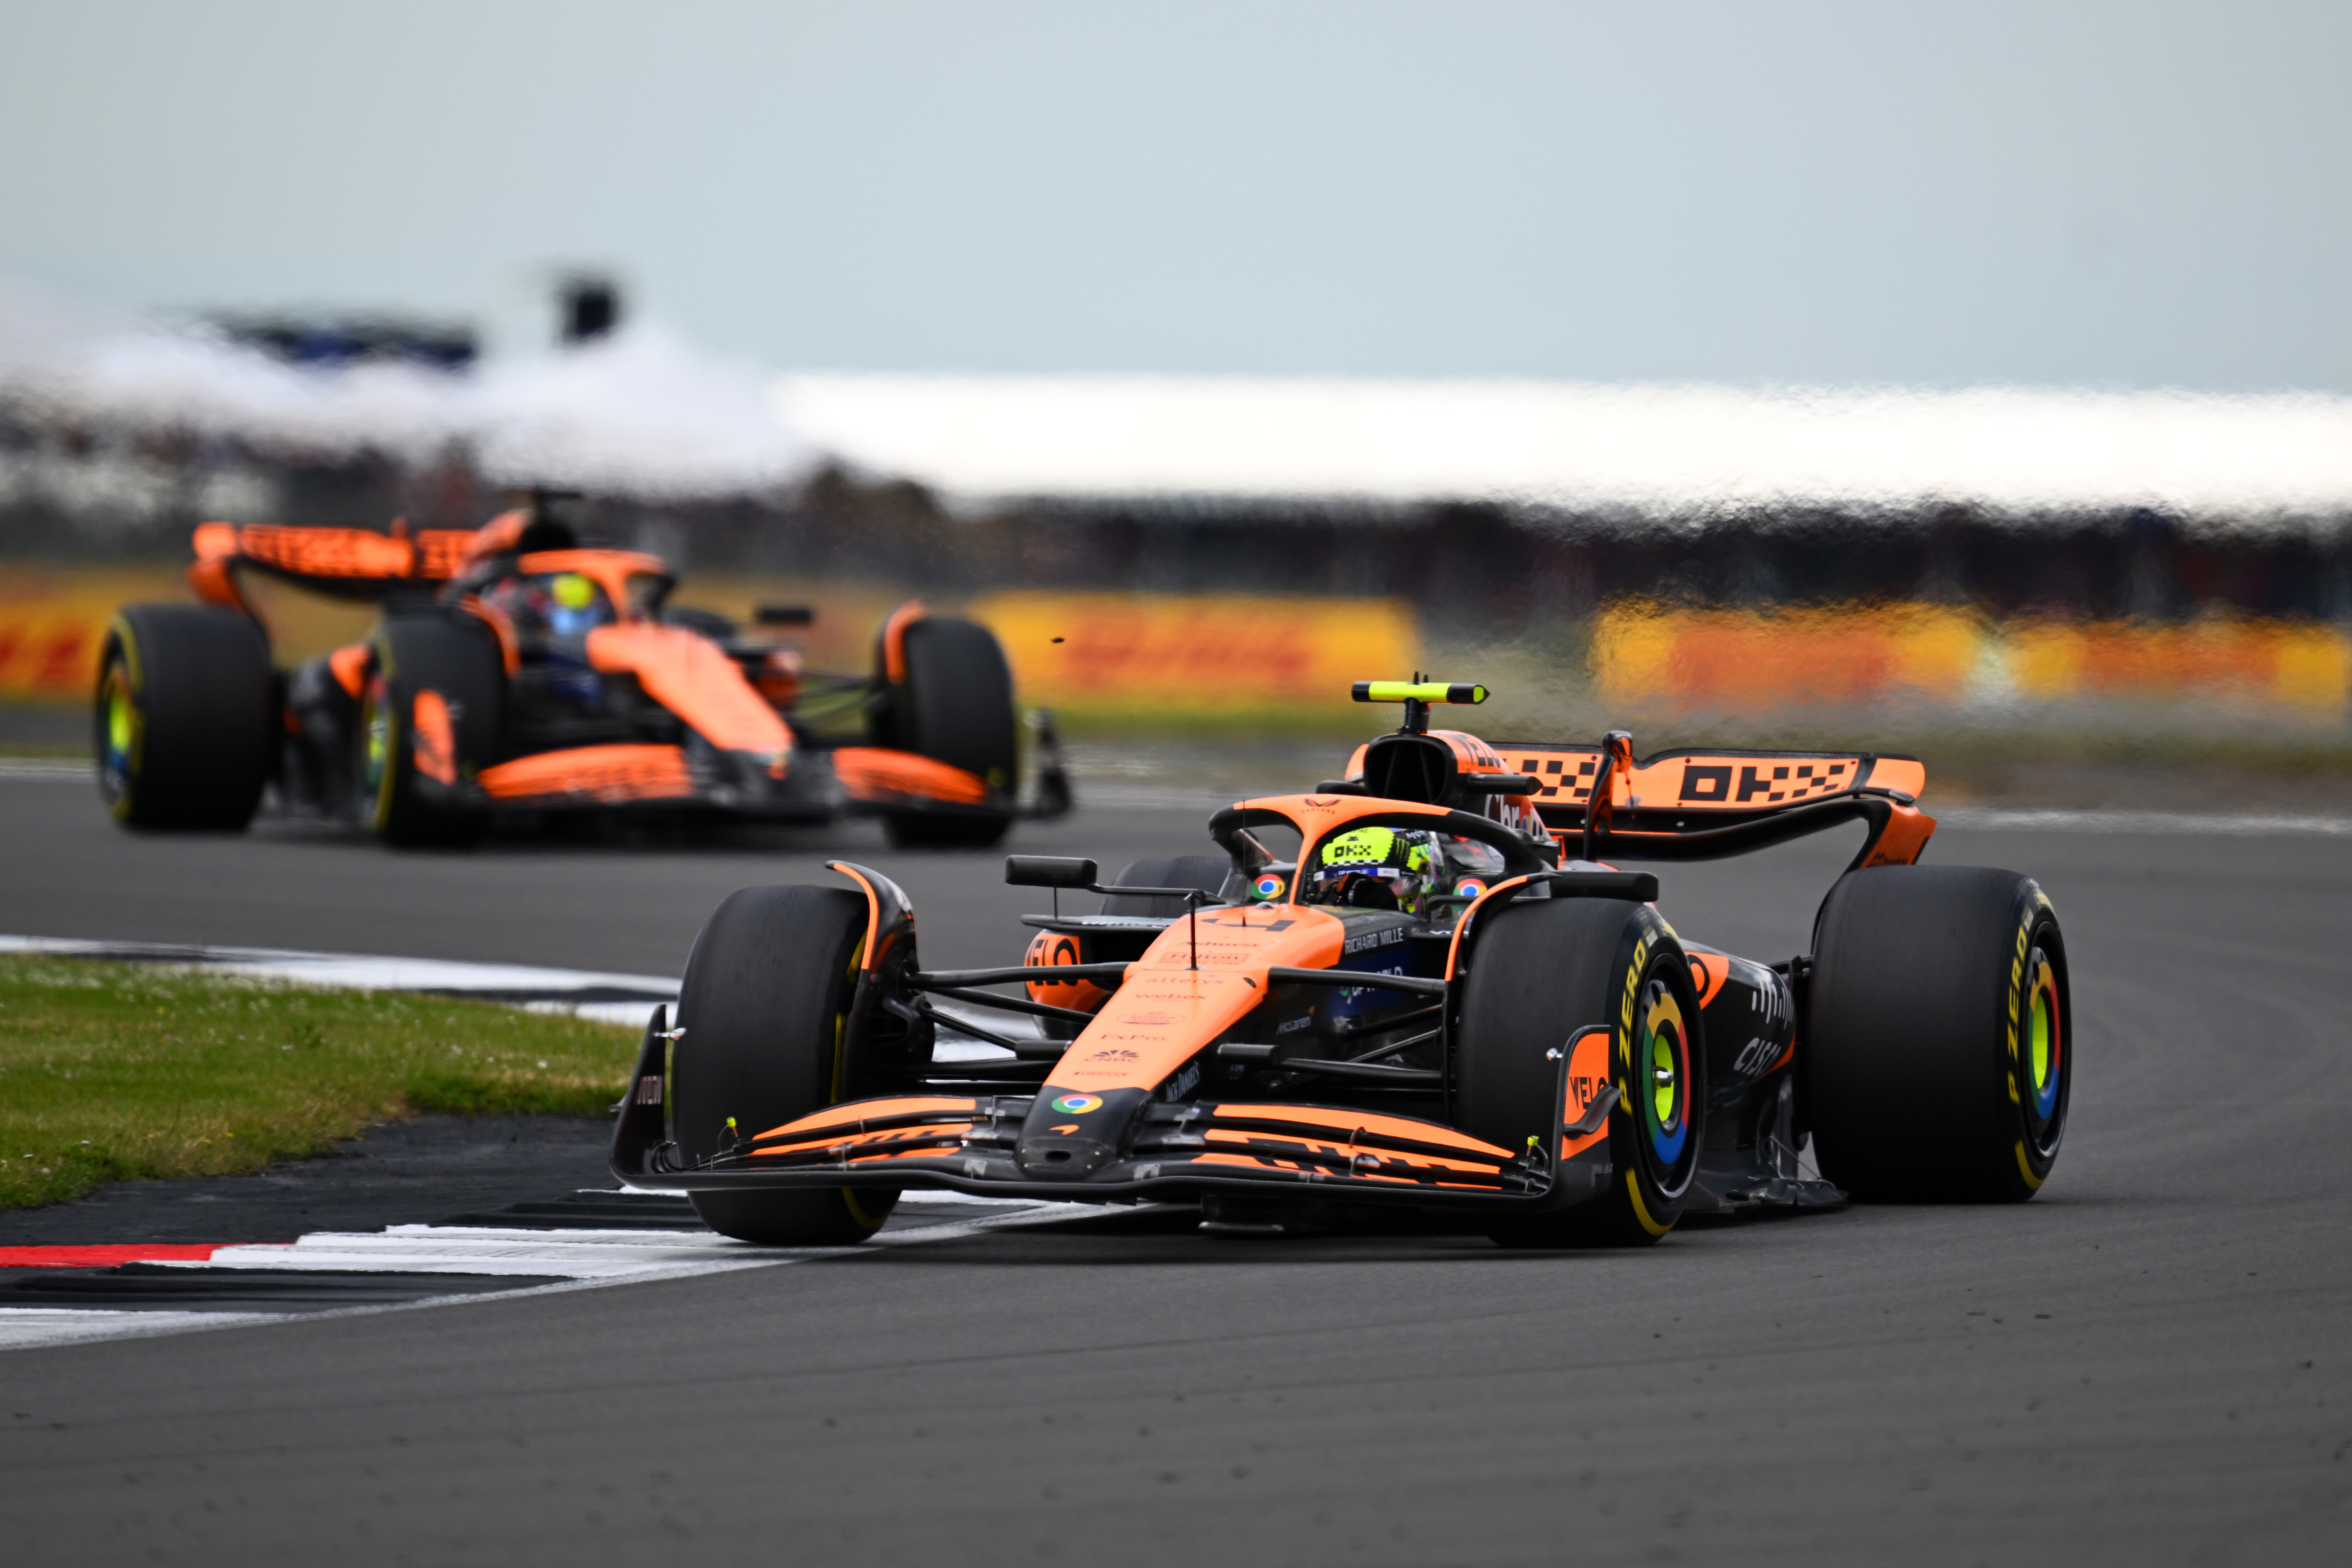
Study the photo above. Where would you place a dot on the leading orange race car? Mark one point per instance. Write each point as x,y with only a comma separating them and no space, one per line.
513,670
1420,985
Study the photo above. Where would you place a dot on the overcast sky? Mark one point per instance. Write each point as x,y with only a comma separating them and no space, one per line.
2128,194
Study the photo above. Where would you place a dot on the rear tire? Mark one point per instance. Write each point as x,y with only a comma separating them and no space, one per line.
1940,1048
1542,969
186,718
953,704
767,991
453,661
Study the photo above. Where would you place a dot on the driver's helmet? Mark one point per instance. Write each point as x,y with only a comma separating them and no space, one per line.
576,605
559,604
1378,867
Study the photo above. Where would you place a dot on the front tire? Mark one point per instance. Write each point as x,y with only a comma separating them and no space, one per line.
429,716
185,717
764,1005
1939,1048
1542,969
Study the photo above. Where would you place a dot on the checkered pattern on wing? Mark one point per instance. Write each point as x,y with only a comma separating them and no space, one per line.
1567,775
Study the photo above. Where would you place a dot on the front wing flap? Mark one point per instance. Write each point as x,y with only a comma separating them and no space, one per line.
967,1144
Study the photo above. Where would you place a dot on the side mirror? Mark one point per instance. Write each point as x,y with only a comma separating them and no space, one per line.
785,615
1499,784
1049,871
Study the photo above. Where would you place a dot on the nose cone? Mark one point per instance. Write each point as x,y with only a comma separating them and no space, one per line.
1072,1133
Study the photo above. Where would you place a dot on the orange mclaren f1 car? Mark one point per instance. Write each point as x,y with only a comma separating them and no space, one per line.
513,670
1423,985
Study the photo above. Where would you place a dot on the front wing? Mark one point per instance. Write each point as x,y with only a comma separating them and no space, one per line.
966,1143
808,786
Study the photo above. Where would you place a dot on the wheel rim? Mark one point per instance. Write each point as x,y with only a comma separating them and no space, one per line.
118,733
1663,1058
2044,1060
375,739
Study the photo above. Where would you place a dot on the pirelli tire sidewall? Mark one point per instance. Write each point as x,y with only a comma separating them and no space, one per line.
187,715
1540,971
1657,1127
1939,1046
767,1007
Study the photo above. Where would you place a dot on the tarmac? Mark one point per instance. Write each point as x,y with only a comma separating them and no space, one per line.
2147,1363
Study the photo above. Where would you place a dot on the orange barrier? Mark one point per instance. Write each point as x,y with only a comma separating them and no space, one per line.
1721,660
1206,652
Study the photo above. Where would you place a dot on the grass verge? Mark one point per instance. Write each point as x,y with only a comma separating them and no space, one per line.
113,1071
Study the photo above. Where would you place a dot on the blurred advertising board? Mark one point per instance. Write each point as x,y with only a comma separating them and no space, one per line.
1721,661
52,623
1205,653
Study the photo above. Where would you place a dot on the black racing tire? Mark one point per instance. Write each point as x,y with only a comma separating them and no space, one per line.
1206,872
456,658
1939,1052
953,703
1541,969
186,718
767,990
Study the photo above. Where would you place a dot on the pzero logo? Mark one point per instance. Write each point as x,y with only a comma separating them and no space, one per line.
1077,1104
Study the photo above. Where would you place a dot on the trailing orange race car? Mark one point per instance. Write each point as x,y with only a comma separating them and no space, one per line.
514,671
1421,984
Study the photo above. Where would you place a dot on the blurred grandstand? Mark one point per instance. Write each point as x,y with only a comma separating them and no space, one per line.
1694,551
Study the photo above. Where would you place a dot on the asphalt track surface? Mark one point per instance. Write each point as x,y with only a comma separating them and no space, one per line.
2148,1363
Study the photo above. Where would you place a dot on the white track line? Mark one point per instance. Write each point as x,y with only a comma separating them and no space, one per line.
525,983
584,1260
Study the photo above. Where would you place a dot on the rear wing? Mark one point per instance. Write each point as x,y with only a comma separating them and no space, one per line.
346,562
1599,802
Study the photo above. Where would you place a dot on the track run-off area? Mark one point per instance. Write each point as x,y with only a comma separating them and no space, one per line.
2148,1363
